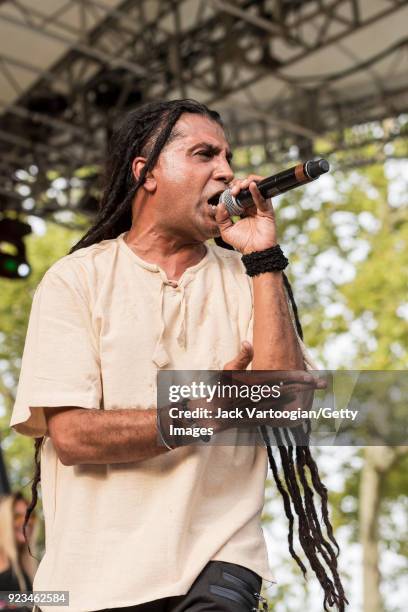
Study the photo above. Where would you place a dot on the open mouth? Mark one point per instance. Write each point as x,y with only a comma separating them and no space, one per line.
214,200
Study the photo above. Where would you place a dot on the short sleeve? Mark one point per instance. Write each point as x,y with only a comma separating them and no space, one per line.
60,364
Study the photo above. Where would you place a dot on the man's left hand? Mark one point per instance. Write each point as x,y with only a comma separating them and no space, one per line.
256,230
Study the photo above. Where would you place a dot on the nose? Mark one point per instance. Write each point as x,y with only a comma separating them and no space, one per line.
223,171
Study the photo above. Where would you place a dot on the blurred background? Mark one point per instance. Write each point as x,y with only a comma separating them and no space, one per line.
293,80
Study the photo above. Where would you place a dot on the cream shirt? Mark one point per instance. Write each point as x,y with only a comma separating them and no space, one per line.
103,321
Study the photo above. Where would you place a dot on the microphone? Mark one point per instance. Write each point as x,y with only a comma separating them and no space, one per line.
275,185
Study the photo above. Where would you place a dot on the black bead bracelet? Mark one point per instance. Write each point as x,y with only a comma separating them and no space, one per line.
269,260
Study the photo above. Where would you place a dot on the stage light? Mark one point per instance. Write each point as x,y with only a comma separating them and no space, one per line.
23,270
13,265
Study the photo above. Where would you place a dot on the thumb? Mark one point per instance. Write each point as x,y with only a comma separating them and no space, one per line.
222,217
243,359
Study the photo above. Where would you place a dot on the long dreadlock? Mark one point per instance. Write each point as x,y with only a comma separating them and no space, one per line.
146,131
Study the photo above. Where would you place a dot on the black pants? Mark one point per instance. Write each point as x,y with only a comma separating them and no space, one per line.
221,587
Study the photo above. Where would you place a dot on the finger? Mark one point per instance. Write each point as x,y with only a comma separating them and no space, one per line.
243,359
291,376
283,378
222,217
284,400
321,383
276,402
254,177
238,185
251,211
298,388
260,202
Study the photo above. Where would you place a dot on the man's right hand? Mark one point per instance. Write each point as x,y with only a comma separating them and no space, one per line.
243,359
296,391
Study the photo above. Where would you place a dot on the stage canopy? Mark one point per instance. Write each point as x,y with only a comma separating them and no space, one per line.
287,75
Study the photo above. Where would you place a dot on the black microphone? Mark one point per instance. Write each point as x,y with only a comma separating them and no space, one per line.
274,185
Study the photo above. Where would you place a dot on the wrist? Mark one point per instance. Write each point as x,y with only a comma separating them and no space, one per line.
251,249
271,259
162,428
175,422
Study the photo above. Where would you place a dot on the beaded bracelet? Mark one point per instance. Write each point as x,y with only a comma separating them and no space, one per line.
268,260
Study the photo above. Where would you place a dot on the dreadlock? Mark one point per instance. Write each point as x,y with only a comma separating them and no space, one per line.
146,131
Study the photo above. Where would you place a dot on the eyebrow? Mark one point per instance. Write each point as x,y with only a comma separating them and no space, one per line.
211,148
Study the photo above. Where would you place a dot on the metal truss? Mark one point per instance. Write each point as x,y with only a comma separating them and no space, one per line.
218,51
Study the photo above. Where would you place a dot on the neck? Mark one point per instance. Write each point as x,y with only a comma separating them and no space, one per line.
174,254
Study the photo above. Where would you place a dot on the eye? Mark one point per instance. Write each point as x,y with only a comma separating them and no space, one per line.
206,154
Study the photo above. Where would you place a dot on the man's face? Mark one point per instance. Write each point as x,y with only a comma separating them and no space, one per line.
192,169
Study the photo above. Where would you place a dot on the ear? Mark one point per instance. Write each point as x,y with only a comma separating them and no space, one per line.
137,166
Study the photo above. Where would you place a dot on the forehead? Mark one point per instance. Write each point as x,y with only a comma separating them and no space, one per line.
192,128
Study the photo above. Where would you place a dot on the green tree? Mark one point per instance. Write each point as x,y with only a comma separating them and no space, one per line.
15,305
347,243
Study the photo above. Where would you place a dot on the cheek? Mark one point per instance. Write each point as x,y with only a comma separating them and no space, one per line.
180,198
184,181
172,185
173,171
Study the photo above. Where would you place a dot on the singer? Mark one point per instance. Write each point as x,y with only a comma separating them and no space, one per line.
131,523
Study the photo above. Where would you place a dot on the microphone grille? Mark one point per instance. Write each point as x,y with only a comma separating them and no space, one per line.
231,204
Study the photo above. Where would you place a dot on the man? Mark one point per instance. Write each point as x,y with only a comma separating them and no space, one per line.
130,522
